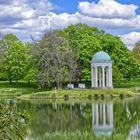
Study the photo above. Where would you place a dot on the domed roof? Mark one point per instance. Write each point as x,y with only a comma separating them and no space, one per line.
101,56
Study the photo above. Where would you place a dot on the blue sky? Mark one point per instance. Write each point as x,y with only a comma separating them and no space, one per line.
27,18
71,5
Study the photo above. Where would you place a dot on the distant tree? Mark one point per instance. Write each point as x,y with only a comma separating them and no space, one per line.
136,51
16,61
54,60
5,43
121,56
3,74
30,70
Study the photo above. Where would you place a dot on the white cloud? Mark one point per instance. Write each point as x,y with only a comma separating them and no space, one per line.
34,17
24,16
107,9
18,10
130,39
41,6
106,14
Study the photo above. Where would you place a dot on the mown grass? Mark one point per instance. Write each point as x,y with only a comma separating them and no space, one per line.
86,93
12,90
80,136
21,84
128,84
6,89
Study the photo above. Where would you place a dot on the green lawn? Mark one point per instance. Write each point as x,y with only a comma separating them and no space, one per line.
128,84
125,88
12,90
81,136
87,93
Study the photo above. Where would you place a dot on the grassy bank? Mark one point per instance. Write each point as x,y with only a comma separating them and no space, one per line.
85,93
14,92
128,84
23,91
80,136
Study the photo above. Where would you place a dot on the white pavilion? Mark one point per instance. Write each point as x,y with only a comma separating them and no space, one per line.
101,70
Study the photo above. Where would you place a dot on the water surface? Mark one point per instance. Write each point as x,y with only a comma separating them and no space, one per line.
100,117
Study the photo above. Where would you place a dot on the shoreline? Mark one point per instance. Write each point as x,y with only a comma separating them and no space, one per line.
82,94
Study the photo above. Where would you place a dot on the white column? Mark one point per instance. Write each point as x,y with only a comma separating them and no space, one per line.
97,117
111,113
100,77
104,115
103,76
96,77
108,113
101,113
93,115
92,77
110,76
107,77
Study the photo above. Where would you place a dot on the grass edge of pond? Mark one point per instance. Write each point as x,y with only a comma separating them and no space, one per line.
79,94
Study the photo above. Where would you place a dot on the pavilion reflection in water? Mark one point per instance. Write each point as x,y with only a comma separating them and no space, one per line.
102,118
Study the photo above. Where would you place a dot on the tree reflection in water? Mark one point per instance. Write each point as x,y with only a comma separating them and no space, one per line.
113,117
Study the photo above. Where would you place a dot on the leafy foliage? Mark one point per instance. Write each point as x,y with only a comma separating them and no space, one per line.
63,56
54,60
88,40
11,122
136,51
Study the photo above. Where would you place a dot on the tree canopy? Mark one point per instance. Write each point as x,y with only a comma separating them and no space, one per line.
136,51
62,56
88,40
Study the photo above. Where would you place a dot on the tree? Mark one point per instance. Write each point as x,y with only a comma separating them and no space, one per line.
30,68
3,74
136,51
83,41
5,43
86,41
121,56
54,59
16,61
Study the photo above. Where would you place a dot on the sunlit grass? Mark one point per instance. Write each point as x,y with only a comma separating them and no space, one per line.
86,93
6,89
80,136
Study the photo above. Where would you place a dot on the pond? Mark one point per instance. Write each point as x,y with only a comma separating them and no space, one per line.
101,118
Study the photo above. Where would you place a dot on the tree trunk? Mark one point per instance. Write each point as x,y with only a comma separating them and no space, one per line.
61,76
57,74
16,82
28,84
57,77
10,80
70,77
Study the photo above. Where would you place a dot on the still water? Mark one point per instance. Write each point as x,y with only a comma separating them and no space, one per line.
100,117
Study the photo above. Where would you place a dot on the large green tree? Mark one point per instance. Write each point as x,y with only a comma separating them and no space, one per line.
136,51
86,41
16,61
5,44
122,58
